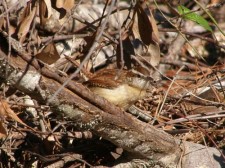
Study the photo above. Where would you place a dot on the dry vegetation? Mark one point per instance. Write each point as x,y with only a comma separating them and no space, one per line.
49,118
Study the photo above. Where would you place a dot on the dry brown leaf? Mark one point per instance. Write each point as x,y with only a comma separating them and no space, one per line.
45,11
66,4
3,131
25,24
144,25
153,54
147,26
11,29
49,8
155,32
2,23
38,41
49,54
59,3
144,28
6,112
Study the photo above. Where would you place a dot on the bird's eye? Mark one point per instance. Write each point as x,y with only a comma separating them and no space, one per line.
139,76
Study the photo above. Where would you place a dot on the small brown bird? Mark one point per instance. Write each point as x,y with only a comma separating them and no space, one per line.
120,87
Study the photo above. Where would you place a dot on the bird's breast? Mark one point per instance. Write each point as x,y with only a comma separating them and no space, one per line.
123,95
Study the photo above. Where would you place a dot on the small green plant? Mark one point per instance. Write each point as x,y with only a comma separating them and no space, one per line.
190,15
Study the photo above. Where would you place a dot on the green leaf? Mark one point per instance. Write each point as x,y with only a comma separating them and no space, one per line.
189,15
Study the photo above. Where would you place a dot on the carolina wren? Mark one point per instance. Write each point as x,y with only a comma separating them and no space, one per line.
121,88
